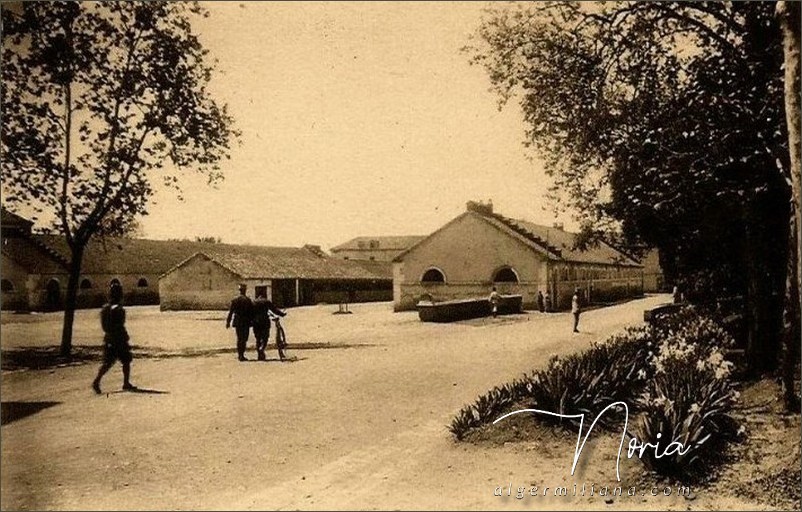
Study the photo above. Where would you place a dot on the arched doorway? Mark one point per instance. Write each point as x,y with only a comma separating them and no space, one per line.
505,275
53,295
433,275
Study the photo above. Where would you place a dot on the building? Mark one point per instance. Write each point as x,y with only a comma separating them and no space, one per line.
35,267
289,276
480,249
31,273
653,279
34,270
375,248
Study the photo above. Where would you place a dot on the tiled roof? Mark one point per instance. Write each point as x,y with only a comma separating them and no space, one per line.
560,244
139,256
382,269
257,262
33,256
385,243
553,243
11,219
126,255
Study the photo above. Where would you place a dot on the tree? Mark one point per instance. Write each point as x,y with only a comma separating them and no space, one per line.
789,14
667,118
100,99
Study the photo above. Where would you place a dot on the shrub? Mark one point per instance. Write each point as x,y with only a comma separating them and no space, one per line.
580,383
688,401
488,407
587,382
676,367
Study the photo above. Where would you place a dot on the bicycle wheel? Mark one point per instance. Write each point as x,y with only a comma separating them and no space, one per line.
281,339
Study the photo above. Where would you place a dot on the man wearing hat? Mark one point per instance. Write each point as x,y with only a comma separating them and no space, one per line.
241,311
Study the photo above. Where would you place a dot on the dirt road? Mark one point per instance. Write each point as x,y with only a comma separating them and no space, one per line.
358,421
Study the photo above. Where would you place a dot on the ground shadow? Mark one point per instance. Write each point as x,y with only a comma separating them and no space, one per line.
144,391
46,358
13,411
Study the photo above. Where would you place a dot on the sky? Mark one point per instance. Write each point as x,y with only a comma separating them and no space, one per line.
357,119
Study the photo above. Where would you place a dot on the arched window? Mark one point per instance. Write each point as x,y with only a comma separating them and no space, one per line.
115,281
433,275
6,286
142,283
86,284
505,275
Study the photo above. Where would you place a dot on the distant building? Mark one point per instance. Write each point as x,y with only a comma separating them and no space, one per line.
480,249
289,276
35,267
653,278
375,248
34,270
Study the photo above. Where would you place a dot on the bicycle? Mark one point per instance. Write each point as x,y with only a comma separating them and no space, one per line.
281,336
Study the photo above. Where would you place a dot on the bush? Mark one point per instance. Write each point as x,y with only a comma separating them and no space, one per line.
581,383
587,382
688,401
677,369
488,407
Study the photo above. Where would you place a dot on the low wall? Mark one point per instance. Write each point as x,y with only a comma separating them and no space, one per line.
196,300
411,294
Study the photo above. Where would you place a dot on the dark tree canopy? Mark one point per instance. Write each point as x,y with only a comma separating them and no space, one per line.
664,121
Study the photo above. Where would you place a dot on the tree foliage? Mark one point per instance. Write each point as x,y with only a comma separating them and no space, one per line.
630,103
663,118
101,100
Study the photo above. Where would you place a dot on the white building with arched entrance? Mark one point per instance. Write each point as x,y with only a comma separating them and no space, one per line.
480,249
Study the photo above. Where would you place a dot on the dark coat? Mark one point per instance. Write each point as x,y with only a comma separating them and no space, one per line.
242,312
261,307
112,319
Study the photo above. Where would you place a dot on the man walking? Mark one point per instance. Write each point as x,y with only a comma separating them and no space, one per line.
115,339
262,307
576,309
241,310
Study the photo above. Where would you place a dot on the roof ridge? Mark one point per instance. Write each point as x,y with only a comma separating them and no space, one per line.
521,230
53,253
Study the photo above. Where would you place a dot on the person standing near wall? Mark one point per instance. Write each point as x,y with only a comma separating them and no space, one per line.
541,305
241,311
115,339
576,308
494,300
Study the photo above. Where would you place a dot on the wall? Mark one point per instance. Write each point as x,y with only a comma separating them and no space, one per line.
653,280
468,251
367,254
598,284
199,284
14,272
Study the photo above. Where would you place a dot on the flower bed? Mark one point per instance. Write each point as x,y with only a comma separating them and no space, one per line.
672,374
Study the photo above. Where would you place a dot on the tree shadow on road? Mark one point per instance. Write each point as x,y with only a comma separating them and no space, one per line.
13,411
47,358
144,391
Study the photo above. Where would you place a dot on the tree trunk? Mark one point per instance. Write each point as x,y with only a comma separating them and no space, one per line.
789,14
791,339
763,306
70,301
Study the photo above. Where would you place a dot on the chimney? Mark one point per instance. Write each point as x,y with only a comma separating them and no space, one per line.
480,207
558,225
315,249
